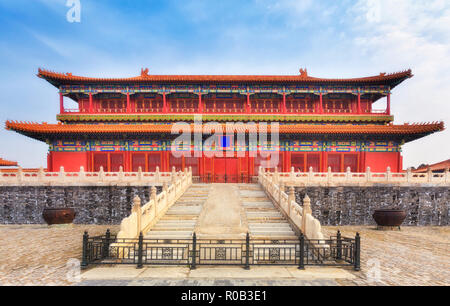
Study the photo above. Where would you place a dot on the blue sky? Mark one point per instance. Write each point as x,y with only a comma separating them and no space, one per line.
329,38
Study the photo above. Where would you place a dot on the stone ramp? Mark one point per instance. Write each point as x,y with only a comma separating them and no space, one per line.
223,216
263,218
180,220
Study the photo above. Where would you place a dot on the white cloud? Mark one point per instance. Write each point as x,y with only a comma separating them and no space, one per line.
411,34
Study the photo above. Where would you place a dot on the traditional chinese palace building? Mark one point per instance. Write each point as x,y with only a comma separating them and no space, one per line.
127,122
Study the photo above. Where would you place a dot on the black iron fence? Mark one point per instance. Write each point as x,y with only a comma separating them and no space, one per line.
301,252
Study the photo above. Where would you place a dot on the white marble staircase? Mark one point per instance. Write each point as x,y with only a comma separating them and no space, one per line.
180,220
263,218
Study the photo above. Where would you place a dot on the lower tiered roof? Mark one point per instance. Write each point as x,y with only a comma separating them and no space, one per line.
7,163
44,131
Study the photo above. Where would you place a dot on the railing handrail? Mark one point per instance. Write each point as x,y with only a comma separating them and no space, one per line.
368,177
143,217
42,177
243,111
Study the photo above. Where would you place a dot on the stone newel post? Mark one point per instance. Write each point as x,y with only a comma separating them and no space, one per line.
157,174
137,209
139,173
291,198
306,211
173,175
153,198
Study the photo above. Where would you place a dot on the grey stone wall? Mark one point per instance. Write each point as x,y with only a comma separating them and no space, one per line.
93,204
355,205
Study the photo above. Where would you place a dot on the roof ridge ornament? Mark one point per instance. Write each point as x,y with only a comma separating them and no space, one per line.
303,72
144,72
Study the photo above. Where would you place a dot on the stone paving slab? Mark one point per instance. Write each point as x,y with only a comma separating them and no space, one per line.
211,275
38,255
209,282
413,256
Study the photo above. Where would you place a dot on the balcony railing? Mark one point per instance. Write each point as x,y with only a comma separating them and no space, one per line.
289,111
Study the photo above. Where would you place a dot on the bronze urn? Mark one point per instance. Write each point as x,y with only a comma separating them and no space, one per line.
389,217
58,215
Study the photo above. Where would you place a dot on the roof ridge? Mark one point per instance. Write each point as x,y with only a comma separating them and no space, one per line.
145,76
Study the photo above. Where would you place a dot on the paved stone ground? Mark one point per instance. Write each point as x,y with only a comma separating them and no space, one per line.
413,256
38,255
210,282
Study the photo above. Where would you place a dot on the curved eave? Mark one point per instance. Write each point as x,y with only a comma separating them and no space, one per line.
58,79
7,163
221,118
406,132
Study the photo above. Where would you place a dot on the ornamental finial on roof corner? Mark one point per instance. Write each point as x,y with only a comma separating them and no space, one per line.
144,72
303,72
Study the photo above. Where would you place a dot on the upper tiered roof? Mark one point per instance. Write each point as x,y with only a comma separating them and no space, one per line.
392,79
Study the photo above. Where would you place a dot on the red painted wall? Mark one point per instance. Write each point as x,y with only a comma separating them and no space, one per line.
379,161
71,161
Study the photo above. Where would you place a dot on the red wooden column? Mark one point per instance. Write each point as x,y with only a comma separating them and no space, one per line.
61,103
284,103
128,103
200,106
359,102
91,104
388,106
164,103
248,108
320,104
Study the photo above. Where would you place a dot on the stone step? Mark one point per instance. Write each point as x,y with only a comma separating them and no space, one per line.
252,193
183,213
261,209
268,226
193,201
267,221
282,226
255,199
176,221
272,230
257,204
155,233
264,214
250,187
178,217
193,208
273,236
175,225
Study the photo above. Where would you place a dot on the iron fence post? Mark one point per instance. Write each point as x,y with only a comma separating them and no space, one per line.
301,263
338,245
247,252
84,259
140,251
106,243
194,251
357,252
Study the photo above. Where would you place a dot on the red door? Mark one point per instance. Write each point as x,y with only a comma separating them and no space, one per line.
231,170
226,170
220,170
